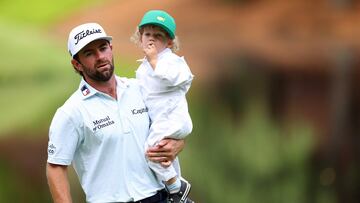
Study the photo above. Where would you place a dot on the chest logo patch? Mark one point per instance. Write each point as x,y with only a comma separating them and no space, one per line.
102,123
139,111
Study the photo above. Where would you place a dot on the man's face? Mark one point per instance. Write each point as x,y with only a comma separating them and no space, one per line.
95,61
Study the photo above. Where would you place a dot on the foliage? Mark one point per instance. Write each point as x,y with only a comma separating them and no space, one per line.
250,161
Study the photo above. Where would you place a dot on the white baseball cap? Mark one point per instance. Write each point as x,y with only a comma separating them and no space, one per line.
83,34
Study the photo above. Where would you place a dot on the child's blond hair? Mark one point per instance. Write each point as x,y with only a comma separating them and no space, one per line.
136,37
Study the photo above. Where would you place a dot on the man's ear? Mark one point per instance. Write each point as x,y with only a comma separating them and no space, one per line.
77,65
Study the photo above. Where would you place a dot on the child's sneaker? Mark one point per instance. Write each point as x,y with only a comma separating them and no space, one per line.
181,196
189,201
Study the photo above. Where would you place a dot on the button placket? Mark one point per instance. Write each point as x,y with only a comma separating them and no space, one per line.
122,114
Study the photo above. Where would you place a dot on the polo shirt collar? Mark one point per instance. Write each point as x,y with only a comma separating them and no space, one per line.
87,91
122,82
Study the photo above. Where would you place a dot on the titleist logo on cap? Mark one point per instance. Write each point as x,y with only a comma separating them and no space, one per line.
84,33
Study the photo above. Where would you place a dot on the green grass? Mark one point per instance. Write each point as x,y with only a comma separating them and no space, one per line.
40,12
35,75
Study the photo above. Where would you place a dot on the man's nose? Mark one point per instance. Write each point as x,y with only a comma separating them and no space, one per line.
99,54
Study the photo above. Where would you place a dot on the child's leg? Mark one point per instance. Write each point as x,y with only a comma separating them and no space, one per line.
179,195
173,185
156,134
163,174
177,187
169,175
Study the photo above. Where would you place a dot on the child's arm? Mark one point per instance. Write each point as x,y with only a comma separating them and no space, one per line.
174,71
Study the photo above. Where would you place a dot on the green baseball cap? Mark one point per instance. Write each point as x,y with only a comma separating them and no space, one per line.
160,18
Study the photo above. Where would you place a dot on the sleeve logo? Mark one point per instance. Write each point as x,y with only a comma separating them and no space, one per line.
51,149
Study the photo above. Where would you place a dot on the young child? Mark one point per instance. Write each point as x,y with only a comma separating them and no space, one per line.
165,78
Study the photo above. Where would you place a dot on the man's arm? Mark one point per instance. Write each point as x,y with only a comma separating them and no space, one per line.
166,151
58,183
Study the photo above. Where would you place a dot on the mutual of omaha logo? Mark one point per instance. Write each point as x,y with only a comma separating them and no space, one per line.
159,18
85,90
51,149
102,123
81,35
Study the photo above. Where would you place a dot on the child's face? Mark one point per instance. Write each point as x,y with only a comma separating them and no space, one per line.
156,36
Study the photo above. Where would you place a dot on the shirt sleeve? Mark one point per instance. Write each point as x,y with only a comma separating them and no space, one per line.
63,139
174,71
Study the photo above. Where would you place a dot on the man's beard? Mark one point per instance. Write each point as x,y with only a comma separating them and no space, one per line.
96,75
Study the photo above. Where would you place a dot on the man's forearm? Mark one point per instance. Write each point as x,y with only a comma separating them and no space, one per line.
58,183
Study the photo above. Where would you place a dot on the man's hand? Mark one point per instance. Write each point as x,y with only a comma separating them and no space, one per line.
166,151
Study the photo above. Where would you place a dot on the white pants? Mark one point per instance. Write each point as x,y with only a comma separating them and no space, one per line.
168,128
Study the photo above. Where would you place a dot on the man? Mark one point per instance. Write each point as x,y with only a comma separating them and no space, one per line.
101,129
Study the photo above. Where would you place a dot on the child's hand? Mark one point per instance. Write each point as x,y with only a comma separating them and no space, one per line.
151,53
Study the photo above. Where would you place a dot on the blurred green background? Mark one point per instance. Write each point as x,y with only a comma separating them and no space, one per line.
274,100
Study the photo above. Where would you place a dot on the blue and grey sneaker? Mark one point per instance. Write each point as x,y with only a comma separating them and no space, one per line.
181,196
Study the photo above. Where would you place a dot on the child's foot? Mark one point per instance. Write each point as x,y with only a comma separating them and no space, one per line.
188,200
181,196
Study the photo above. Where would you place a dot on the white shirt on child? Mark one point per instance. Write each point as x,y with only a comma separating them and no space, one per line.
164,92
